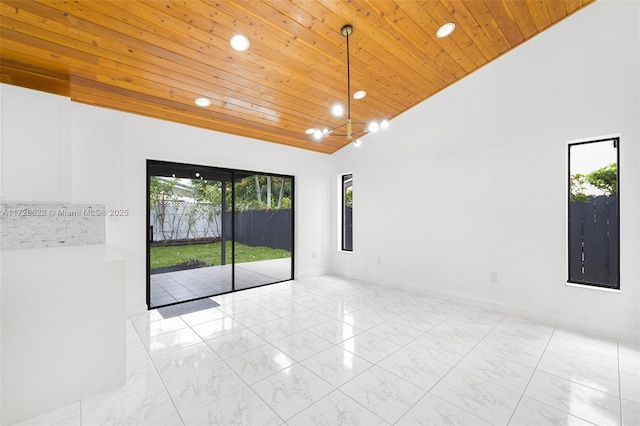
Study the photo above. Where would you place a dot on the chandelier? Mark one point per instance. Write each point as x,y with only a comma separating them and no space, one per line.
352,131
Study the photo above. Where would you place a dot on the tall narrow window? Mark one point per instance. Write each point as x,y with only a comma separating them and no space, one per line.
594,218
347,212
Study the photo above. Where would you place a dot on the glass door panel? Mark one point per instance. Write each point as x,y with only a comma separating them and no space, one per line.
263,225
190,243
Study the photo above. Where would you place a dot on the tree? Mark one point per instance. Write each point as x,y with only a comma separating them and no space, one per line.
160,195
605,179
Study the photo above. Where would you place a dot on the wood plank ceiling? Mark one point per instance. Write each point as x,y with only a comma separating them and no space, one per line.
156,57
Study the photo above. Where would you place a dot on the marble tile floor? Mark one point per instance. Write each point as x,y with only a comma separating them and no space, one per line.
333,351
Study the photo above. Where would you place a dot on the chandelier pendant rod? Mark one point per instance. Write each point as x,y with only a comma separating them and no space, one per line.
346,31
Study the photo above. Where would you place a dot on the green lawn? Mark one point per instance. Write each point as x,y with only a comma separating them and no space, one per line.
164,256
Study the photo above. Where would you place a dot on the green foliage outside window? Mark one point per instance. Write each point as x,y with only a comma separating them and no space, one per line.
605,179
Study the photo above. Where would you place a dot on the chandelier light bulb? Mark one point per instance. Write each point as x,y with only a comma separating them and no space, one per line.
337,110
317,134
325,132
373,126
384,124
309,131
357,143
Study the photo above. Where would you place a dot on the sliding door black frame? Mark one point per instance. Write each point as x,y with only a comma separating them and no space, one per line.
151,164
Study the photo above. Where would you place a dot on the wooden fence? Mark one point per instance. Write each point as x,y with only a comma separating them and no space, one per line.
263,228
594,241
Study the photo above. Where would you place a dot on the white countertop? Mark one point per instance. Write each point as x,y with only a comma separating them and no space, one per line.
75,255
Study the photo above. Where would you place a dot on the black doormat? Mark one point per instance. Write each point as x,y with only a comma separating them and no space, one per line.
186,308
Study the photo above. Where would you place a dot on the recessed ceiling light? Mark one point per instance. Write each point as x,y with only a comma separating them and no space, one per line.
239,42
337,110
445,30
309,131
203,102
359,94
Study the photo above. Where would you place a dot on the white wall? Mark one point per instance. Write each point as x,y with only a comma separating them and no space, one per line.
473,180
108,152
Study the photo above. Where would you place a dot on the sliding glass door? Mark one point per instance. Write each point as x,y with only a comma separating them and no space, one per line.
263,220
213,231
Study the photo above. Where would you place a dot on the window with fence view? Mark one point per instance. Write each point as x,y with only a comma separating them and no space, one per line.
594,214
347,212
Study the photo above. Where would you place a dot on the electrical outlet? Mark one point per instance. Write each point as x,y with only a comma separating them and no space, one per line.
493,276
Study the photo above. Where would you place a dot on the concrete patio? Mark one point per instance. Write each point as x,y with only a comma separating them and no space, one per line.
180,286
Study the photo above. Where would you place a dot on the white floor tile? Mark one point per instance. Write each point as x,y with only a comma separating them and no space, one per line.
396,332
630,413
292,390
286,308
523,332
302,345
383,393
582,372
439,348
258,363
415,368
336,365
434,411
630,387
184,361
370,347
160,327
575,399
498,370
583,337
335,331
205,315
217,327
605,357
238,307
362,320
308,318
202,387
255,317
386,310
140,376
533,413
630,364
151,406
420,320
276,329
336,409
458,333
235,343
242,408
511,350
480,397
167,342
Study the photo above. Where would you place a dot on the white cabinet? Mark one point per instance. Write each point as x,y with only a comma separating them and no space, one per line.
62,327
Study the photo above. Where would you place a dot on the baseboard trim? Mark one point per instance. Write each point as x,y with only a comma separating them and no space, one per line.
615,331
311,274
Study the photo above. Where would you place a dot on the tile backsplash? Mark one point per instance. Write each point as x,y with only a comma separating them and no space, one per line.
39,225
